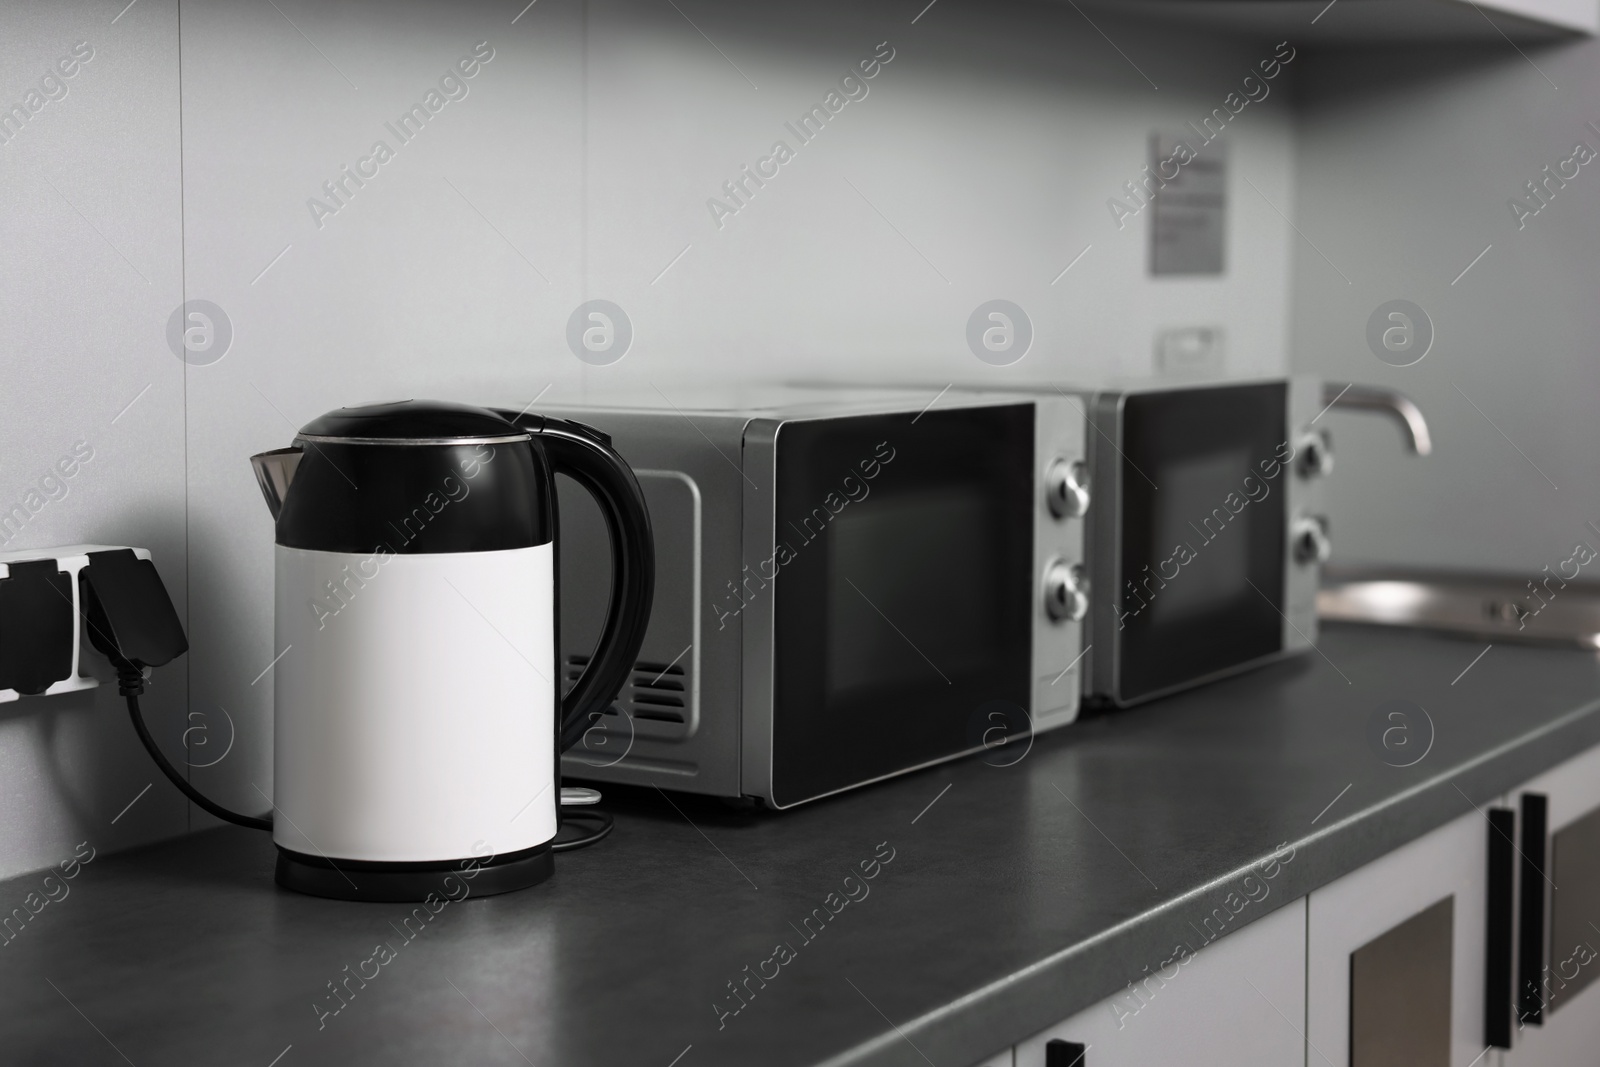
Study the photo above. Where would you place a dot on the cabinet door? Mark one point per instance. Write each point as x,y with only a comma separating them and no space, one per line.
1239,1000
1569,1031
1395,955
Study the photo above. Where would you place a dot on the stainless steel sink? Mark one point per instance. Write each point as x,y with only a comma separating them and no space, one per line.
1489,606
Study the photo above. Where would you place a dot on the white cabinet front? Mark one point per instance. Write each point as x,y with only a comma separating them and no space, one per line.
1238,1000
1560,964
1395,956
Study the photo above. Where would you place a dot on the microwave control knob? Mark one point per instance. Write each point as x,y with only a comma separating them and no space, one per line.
1066,488
1309,536
1066,592
1314,454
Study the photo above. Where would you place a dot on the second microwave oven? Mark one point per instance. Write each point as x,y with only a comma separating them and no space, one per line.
1208,533
848,587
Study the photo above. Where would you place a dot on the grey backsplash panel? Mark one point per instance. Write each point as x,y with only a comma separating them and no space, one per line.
91,268
1407,160
575,164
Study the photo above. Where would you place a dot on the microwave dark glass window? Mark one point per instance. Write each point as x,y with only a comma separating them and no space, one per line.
904,590
1202,561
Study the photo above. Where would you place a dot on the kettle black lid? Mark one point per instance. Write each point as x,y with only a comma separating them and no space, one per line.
464,479
412,422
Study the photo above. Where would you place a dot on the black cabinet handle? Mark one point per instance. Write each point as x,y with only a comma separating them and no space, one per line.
1058,1053
1498,969
1530,949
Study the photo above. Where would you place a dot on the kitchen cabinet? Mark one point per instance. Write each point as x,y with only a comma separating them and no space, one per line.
1583,15
1238,1000
1395,955
1374,21
1568,1032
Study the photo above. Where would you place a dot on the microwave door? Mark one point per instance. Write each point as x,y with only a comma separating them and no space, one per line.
902,582
1205,479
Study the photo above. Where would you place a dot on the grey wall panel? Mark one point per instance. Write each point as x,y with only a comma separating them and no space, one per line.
978,166
1407,161
91,268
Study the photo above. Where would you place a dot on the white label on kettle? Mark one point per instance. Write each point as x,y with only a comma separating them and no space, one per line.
415,706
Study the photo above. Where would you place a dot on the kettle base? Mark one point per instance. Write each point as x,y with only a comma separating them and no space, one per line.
363,880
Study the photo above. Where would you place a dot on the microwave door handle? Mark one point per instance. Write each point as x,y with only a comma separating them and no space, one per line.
1386,402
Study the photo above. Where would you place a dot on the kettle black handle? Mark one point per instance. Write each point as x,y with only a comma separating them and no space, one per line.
585,455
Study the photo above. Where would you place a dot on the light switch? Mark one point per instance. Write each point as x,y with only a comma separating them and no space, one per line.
1190,352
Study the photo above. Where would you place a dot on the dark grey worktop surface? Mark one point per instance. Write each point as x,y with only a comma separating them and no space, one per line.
1021,895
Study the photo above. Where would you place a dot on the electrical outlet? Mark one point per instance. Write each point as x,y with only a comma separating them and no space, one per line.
41,639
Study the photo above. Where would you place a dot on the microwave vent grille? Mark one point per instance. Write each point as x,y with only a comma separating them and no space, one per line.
654,692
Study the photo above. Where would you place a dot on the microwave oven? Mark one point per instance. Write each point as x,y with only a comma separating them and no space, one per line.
1208,534
1210,526
849,586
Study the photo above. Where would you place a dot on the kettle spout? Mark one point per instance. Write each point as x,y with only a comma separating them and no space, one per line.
274,472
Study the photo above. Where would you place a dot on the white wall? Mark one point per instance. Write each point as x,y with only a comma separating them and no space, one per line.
578,166
1406,161
91,265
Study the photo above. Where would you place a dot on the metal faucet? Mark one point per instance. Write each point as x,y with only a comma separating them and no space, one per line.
1386,401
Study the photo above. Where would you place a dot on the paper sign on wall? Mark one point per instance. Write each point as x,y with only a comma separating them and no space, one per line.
1188,225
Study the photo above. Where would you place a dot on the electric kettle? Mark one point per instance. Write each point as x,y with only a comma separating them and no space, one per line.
418,717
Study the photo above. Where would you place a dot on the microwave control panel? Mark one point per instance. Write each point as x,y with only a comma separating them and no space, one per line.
1308,544
1062,504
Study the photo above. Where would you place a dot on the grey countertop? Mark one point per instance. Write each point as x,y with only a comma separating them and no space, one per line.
1015,896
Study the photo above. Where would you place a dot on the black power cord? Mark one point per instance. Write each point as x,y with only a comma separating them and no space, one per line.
603,826
130,685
